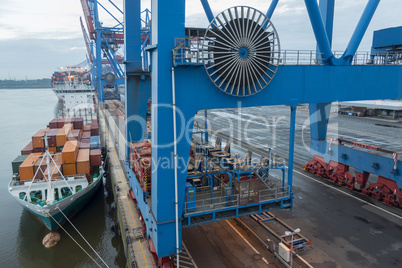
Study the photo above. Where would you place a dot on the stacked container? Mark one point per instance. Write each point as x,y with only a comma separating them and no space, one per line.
83,166
51,139
55,167
41,165
94,129
78,122
95,142
95,157
60,122
27,149
17,162
74,135
38,142
69,156
26,169
54,123
87,128
61,137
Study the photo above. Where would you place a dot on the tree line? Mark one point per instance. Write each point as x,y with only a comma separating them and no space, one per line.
32,83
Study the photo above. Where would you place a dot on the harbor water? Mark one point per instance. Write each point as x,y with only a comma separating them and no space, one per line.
23,113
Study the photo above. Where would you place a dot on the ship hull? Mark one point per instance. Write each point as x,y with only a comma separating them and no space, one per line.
69,206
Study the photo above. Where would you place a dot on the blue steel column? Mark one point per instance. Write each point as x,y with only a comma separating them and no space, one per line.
168,19
206,125
271,8
327,10
137,83
318,28
99,86
360,30
293,109
319,118
207,10
319,112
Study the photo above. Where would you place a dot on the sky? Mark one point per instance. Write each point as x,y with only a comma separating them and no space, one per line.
37,37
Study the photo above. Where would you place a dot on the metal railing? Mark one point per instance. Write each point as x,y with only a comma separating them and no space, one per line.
189,51
223,202
17,182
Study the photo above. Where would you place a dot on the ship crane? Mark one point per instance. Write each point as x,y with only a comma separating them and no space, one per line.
103,44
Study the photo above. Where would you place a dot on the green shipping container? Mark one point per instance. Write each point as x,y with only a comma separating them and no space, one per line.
17,162
59,149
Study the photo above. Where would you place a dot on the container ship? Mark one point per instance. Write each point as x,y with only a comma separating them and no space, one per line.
70,80
72,85
58,172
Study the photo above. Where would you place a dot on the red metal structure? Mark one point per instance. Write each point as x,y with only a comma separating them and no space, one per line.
140,160
385,189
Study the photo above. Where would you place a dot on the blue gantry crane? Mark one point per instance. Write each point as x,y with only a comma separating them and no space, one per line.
103,43
387,45
235,62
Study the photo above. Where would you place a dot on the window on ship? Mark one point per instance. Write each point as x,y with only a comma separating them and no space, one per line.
65,192
78,188
36,196
22,195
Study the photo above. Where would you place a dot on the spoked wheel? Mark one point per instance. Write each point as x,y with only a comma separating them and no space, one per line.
241,51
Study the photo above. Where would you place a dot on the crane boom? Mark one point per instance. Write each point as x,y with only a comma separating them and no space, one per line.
86,39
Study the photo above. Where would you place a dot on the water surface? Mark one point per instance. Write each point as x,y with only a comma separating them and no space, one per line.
23,113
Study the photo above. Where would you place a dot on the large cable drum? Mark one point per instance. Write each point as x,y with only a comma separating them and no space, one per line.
109,77
241,51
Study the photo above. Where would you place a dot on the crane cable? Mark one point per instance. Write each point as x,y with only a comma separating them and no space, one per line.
75,241
83,237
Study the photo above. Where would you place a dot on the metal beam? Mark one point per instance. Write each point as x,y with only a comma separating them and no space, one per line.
360,30
168,18
132,35
327,9
271,8
373,163
207,10
137,82
307,84
293,109
319,112
98,51
319,30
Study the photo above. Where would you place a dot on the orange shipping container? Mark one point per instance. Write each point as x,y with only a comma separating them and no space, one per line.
52,149
87,128
54,171
69,169
69,153
61,136
57,158
26,169
83,166
74,135
40,164
69,126
37,139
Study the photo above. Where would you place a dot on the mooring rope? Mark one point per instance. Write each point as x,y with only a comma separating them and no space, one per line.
75,241
83,237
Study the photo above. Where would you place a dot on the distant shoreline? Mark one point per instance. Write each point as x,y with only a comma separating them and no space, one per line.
25,84
15,88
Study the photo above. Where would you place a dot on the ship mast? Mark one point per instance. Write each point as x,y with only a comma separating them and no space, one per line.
50,194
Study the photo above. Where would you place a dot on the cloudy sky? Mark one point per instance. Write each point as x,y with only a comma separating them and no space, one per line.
37,36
